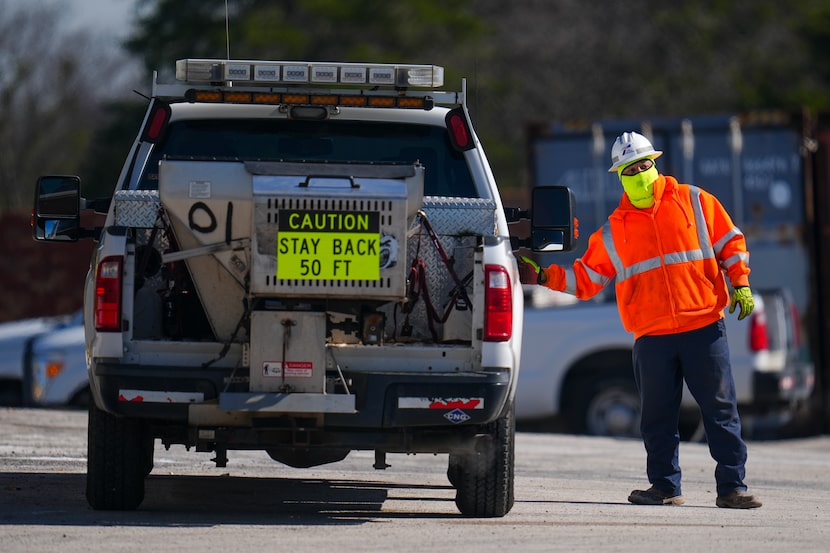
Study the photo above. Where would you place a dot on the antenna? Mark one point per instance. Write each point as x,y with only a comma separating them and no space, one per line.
227,31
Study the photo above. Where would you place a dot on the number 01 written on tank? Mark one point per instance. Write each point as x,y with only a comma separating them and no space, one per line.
323,245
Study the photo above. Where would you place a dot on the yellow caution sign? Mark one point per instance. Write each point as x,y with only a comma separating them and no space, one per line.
328,245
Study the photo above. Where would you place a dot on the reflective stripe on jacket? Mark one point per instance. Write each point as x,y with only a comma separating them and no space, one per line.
668,260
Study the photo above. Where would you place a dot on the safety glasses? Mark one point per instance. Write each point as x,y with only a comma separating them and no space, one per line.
638,167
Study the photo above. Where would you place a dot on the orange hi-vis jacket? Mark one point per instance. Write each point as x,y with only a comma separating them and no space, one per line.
668,261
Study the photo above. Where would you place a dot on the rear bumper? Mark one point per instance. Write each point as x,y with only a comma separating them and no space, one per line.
393,400
793,384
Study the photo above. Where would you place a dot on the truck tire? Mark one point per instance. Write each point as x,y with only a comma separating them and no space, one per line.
11,394
484,480
454,469
120,451
604,407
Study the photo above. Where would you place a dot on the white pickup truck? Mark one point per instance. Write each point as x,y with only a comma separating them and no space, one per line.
577,369
306,259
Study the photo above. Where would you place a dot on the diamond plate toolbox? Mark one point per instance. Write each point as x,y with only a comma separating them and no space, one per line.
136,208
459,224
461,216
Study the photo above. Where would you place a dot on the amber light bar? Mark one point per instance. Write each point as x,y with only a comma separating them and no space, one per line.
300,99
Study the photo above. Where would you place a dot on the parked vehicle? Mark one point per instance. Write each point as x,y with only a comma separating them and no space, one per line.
57,369
16,340
576,366
304,259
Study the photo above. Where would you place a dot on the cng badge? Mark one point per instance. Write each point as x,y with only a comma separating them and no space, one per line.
456,416
328,245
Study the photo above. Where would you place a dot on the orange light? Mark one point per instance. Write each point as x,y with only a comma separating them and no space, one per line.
238,97
207,96
410,102
381,102
295,98
53,369
324,99
353,101
266,98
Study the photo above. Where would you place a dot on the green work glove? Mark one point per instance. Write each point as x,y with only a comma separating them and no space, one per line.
529,271
742,295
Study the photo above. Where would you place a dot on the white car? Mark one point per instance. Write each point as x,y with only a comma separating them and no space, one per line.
57,369
576,367
16,339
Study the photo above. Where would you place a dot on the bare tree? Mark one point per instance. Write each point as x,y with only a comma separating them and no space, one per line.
51,87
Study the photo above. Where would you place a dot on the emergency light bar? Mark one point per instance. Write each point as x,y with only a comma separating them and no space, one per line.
291,72
304,99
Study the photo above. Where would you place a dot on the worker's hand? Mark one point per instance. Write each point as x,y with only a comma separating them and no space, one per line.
529,271
742,295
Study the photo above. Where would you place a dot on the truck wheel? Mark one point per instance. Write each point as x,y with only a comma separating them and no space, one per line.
11,394
81,399
119,452
484,480
605,408
454,469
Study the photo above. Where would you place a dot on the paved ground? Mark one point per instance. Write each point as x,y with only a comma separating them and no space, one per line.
570,496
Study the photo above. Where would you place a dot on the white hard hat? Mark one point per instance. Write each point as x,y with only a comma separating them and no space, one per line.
628,148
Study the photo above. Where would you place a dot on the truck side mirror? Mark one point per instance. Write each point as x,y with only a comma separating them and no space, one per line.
552,219
57,211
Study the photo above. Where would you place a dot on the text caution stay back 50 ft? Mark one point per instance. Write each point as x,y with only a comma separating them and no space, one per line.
328,245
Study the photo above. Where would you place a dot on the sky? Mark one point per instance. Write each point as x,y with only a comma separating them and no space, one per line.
106,23
106,16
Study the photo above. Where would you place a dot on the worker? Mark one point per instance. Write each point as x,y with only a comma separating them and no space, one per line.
668,245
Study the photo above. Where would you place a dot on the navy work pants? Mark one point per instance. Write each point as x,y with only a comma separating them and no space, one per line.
701,358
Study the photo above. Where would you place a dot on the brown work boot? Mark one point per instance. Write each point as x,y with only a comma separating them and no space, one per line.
653,496
738,499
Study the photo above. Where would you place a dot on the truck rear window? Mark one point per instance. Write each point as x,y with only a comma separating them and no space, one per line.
446,172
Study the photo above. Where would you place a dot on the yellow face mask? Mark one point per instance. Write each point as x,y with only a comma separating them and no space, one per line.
640,187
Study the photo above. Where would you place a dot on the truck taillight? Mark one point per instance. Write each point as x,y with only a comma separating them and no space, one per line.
758,338
108,295
157,122
498,304
460,136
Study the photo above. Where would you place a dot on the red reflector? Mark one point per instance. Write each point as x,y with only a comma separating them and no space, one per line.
498,304
459,131
108,295
158,119
758,338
